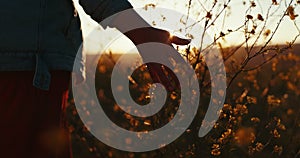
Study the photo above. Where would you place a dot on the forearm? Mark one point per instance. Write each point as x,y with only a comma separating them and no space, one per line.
124,21
99,10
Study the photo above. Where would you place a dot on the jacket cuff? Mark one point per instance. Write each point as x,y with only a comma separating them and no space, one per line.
101,9
79,68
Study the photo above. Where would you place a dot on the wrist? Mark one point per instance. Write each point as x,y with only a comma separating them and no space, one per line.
148,34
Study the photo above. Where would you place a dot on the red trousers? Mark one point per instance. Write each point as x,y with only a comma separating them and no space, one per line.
31,123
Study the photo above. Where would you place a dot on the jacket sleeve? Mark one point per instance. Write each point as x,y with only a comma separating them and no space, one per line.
101,9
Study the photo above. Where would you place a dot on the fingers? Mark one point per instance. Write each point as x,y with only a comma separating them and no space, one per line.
179,41
158,76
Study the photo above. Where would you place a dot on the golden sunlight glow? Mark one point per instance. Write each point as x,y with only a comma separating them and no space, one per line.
235,18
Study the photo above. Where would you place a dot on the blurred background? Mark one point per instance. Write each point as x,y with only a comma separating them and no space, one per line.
260,45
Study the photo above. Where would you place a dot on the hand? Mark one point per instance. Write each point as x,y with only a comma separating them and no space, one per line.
150,34
130,19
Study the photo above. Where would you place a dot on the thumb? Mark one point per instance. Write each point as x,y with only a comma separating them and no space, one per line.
179,41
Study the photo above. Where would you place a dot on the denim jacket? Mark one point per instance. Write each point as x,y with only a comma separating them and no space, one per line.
44,35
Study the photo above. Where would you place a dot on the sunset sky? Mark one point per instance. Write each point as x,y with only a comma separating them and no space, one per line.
235,17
